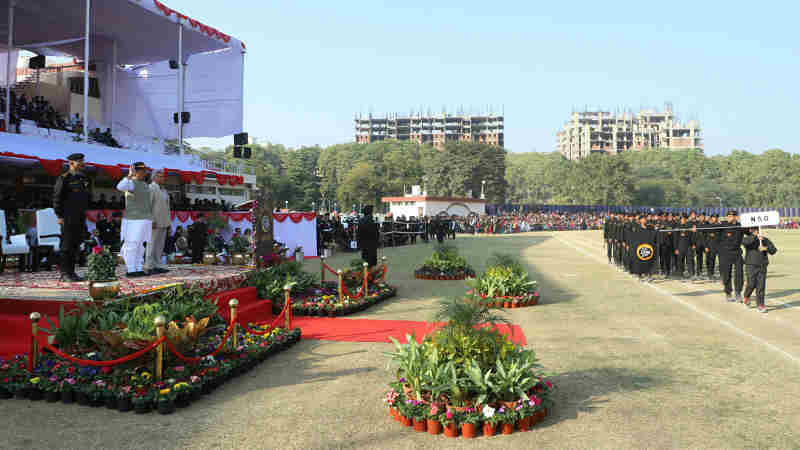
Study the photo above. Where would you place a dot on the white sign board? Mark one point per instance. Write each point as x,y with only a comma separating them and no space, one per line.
760,219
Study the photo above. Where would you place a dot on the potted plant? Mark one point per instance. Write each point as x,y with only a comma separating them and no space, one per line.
448,420
508,418
490,420
50,388
102,274
165,401
211,250
95,392
143,401
33,389
433,424
470,421
419,414
239,248
182,394
405,411
124,403
67,388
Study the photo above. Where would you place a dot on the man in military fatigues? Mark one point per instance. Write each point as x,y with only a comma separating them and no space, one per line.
368,237
71,196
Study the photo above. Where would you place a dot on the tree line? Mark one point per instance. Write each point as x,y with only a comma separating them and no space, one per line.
348,174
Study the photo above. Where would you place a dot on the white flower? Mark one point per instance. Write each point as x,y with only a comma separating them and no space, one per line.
488,411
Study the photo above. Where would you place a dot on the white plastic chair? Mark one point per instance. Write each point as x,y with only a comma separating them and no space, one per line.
11,245
48,231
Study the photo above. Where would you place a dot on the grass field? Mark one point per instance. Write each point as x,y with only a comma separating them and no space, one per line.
661,365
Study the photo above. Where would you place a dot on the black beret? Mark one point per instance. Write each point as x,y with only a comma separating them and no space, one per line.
76,157
139,166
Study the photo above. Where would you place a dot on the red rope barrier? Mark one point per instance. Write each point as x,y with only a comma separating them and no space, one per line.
330,269
348,294
114,362
271,325
184,358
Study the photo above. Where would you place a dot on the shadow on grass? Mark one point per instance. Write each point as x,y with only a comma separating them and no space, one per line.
783,293
577,392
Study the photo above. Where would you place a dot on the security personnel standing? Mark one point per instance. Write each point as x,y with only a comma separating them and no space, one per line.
711,236
683,244
700,245
368,237
729,246
71,196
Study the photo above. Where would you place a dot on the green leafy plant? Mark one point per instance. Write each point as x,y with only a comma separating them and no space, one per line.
102,265
141,325
73,328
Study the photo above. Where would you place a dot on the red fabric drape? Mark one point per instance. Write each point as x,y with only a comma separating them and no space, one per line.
295,217
186,177
183,216
222,179
52,166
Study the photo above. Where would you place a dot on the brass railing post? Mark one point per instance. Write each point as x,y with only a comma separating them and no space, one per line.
234,304
322,268
366,277
385,267
35,316
341,285
288,300
160,323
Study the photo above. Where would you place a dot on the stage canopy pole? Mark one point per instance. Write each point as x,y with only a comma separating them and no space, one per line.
113,84
8,63
180,87
86,73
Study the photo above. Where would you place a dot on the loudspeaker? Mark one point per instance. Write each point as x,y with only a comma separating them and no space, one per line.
237,151
37,62
173,64
247,153
185,116
240,139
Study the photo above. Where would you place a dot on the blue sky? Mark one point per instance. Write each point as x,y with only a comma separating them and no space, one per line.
312,65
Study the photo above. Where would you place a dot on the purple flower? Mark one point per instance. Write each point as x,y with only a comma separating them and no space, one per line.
402,380
54,378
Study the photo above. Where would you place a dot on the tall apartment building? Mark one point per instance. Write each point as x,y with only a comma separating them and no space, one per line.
433,130
603,132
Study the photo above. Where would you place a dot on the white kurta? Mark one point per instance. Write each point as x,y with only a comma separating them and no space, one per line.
134,234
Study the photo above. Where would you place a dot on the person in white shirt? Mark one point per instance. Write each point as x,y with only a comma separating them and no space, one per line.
162,220
137,225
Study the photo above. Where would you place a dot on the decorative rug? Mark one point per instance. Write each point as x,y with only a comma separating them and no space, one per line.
46,285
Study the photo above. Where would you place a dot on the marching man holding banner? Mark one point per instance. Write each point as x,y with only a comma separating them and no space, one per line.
756,260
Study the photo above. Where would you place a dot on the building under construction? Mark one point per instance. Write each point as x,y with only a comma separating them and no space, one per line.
603,132
432,130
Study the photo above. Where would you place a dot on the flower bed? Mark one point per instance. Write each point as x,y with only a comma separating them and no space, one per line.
467,380
445,264
330,306
505,284
129,387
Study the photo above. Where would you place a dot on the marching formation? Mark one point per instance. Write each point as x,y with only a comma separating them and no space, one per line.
682,246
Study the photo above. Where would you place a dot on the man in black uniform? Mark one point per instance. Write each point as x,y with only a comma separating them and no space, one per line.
368,237
683,241
756,260
198,238
729,246
712,235
71,196
700,245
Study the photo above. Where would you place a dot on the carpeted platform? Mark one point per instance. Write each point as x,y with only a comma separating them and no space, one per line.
45,285
368,330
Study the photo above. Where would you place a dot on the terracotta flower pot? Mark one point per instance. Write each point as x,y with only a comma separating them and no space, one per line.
489,429
508,428
434,426
506,304
420,425
525,423
469,430
451,430
406,421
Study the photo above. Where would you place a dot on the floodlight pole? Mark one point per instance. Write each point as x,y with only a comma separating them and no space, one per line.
86,73
8,63
180,87
113,83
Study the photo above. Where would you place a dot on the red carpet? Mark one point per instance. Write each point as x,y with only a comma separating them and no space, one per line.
368,330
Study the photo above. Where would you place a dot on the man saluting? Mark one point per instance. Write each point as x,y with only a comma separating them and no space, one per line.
71,196
137,226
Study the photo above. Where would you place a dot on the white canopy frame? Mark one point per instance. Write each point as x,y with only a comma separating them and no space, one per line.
128,32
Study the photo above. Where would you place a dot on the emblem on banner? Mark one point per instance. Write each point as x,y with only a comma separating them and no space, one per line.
645,252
